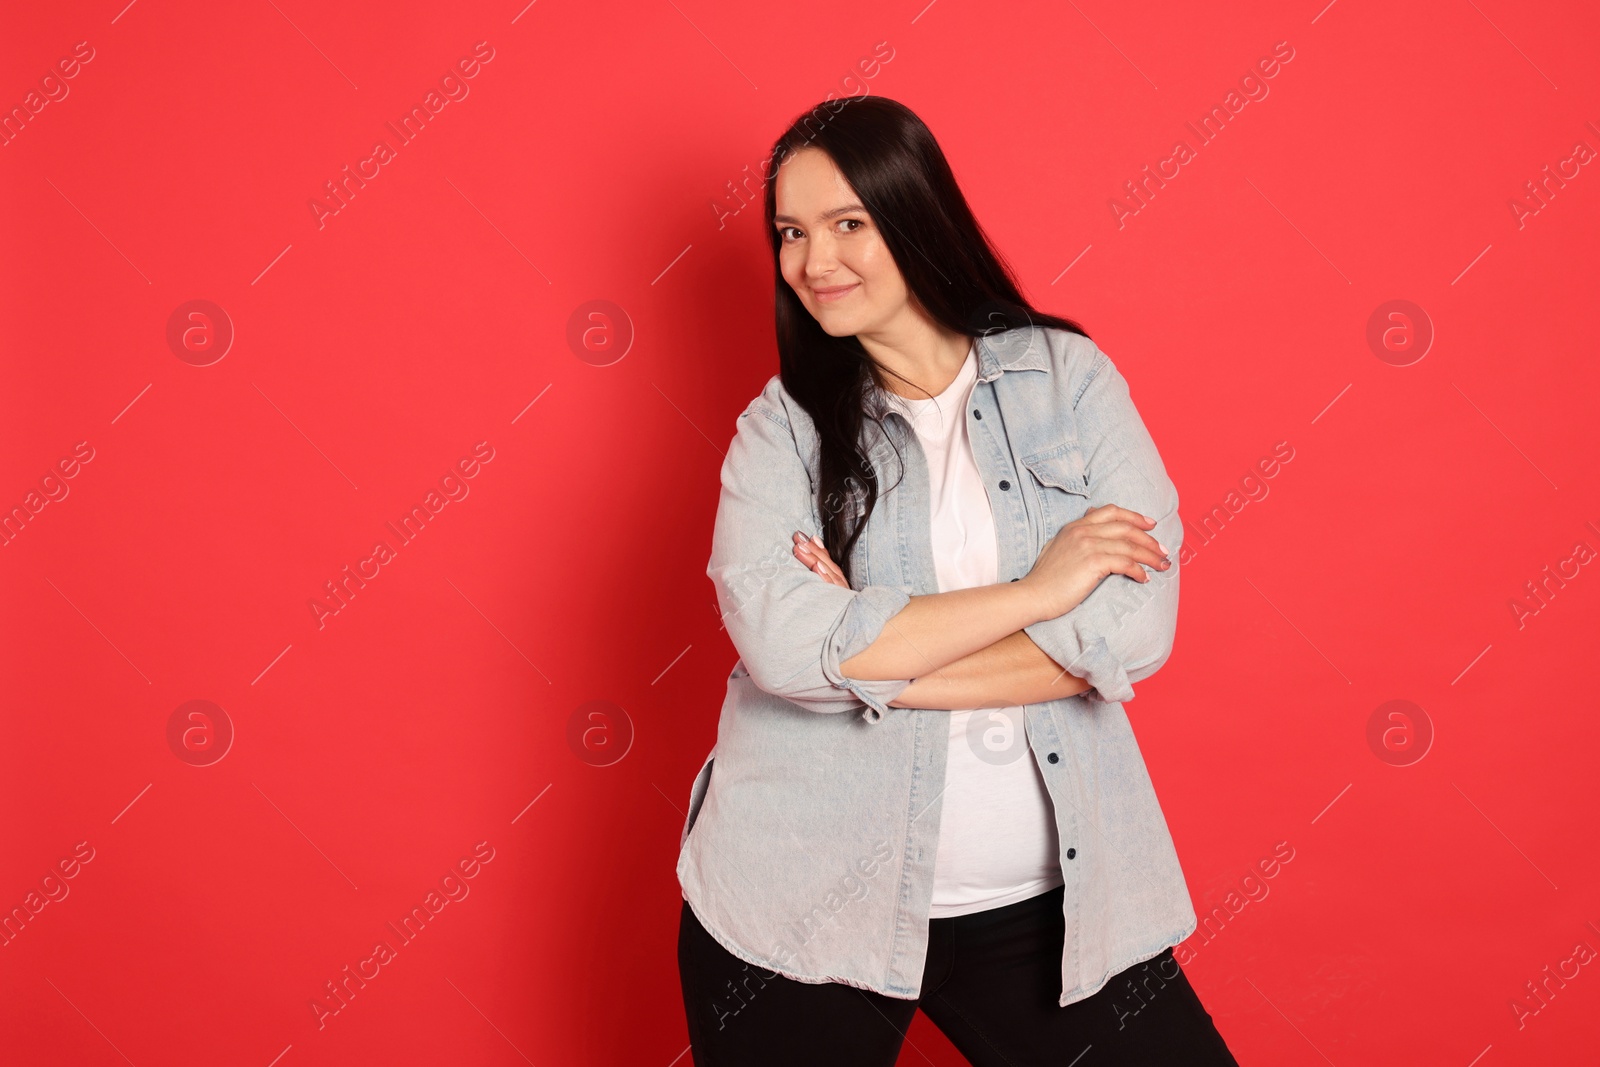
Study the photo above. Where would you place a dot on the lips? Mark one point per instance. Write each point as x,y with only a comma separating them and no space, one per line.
834,292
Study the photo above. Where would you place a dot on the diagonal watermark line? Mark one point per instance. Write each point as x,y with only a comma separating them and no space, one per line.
1332,402
904,1034
302,433
757,891
1113,44
313,44
132,402
929,805
490,1021
1469,266
1299,631
131,803
1069,266
498,230
1502,433
882,217
1502,833
531,803
1290,1021
499,631
1331,803
274,263
669,666
1469,666
690,421
669,266
674,803
302,833
97,630
101,232
713,44
1298,230
530,404
274,663
88,1020
1513,44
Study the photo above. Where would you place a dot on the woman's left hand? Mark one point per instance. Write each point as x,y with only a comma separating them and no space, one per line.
809,551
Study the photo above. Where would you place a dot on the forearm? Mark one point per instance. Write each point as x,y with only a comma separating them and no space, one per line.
1011,671
937,629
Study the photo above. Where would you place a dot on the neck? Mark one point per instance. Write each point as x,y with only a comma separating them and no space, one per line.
925,356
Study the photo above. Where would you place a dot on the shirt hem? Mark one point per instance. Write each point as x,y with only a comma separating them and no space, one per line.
1100,983
810,979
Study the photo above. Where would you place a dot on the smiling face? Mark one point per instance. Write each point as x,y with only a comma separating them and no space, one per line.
833,255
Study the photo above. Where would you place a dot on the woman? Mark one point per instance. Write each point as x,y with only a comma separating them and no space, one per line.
924,790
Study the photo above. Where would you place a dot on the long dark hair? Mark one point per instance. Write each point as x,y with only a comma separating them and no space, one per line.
891,160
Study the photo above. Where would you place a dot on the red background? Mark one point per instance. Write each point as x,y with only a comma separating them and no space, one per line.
591,161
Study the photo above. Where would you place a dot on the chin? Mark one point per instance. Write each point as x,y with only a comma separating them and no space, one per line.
853,321
836,326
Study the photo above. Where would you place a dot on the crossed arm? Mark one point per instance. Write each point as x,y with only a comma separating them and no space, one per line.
832,649
1011,671
962,649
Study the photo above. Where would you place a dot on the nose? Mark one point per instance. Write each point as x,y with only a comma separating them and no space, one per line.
820,259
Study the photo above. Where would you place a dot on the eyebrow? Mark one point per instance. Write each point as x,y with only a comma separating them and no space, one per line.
826,215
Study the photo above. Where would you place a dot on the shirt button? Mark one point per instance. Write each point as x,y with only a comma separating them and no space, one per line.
1071,852
1053,758
1004,484
977,414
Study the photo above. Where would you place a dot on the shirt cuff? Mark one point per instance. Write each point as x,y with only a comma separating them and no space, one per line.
861,623
1091,660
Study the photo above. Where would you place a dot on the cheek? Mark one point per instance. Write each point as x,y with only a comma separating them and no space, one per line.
791,272
877,269
792,265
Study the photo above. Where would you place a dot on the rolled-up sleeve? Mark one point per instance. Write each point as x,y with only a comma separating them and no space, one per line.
1123,631
792,628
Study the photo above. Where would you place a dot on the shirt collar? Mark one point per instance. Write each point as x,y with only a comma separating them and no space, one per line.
1019,348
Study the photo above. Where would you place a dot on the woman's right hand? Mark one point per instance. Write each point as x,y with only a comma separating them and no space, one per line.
1107,540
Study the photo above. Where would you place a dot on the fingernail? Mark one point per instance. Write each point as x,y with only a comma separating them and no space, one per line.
818,541
1163,549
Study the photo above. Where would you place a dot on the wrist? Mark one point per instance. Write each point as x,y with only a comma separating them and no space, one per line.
1030,604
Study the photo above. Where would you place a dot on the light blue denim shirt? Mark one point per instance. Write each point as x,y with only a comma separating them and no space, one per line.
813,824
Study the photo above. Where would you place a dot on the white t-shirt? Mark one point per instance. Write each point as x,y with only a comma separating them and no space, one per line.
997,836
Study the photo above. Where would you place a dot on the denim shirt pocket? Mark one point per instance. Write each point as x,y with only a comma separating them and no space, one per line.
1062,484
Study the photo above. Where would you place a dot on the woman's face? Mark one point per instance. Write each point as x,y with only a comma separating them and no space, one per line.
833,256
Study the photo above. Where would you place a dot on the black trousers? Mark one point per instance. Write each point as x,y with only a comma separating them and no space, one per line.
991,982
